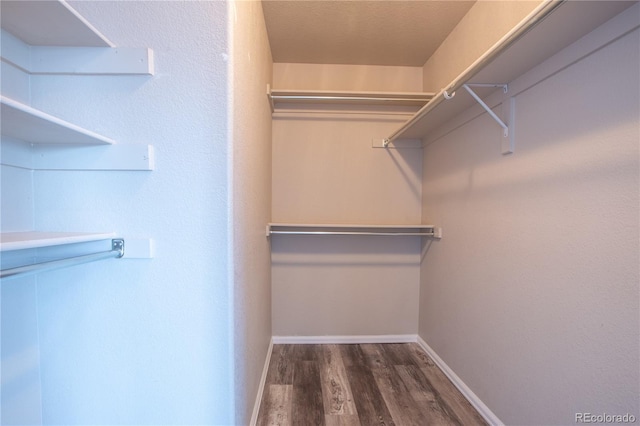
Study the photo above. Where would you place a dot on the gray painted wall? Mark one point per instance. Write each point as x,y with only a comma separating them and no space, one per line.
532,295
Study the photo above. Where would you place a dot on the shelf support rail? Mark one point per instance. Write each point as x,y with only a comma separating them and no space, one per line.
117,251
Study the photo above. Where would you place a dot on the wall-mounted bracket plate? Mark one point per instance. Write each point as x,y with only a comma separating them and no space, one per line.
509,114
118,244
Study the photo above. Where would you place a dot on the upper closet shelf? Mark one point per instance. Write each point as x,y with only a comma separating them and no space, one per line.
552,26
50,37
280,96
29,240
353,229
34,126
50,23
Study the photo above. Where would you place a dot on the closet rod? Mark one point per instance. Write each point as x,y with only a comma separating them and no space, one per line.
418,234
345,98
534,18
117,251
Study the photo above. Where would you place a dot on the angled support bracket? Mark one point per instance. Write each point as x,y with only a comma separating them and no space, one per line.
507,129
486,107
508,132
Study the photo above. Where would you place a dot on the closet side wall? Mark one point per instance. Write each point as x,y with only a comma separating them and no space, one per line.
20,395
250,144
20,369
326,171
532,296
143,341
16,202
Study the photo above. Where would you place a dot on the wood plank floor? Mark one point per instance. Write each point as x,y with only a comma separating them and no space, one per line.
364,384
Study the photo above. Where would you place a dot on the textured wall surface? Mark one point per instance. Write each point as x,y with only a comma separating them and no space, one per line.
345,285
142,341
347,77
21,391
251,200
532,295
326,171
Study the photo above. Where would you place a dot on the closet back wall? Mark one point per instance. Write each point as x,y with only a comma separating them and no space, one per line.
326,171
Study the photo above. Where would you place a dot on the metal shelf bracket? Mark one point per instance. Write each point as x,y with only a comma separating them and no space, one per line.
508,110
118,244
493,115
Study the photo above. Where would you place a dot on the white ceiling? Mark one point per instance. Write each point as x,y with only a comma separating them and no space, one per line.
382,32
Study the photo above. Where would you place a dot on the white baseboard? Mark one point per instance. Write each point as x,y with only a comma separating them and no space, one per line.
317,340
263,379
480,406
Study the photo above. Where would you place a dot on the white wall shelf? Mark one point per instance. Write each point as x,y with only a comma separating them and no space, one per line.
137,248
50,23
353,229
75,60
29,240
281,96
50,37
565,23
23,122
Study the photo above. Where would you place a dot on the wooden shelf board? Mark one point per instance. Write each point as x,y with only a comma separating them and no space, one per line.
23,122
50,23
29,240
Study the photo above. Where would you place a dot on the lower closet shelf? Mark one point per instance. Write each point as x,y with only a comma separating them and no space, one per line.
353,229
29,240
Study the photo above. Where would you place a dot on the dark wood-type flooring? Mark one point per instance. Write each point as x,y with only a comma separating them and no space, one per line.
365,384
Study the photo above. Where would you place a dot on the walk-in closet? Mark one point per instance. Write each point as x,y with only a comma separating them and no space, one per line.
320,212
